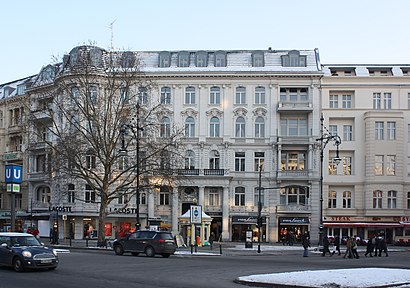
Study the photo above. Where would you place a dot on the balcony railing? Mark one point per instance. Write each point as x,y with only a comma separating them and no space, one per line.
201,172
295,106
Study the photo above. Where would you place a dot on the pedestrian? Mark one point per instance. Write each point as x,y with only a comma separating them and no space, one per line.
354,248
369,247
211,240
348,248
35,232
305,244
382,247
51,235
336,244
326,245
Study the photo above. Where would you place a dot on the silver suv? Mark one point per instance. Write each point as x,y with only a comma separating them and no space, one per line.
148,242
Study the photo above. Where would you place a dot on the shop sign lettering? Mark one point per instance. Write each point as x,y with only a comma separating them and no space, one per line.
340,218
123,210
60,208
401,219
294,220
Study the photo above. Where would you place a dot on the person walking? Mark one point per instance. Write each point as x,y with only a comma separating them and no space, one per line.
383,247
336,244
354,248
211,240
348,248
369,247
305,244
326,245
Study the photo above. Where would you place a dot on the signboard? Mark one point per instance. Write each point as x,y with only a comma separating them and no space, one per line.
247,219
294,220
196,214
14,174
11,187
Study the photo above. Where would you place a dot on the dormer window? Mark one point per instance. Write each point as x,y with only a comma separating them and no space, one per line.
128,60
201,59
21,89
258,59
220,59
183,59
380,71
164,59
405,70
293,59
96,57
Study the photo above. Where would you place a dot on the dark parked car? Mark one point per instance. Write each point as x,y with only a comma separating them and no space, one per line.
23,251
148,242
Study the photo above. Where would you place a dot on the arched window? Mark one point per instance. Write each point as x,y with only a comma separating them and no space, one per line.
190,127
165,95
190,159
214,159
347,199
71,193
240,127
165,127
259,127
214,127
377,199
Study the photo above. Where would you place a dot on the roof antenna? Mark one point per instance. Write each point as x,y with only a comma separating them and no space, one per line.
111,27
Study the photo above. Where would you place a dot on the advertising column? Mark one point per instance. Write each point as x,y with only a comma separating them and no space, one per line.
13,181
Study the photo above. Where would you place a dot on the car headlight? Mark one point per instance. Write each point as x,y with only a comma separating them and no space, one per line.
26,254
55,252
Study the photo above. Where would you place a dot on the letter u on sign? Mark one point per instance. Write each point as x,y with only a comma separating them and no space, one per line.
14,174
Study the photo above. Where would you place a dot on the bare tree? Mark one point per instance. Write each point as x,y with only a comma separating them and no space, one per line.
108,131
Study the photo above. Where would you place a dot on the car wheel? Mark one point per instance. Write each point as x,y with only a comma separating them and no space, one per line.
134,253
165,255
18,265
149,251
118,250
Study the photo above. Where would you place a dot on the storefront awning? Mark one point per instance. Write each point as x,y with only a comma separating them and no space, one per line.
362,224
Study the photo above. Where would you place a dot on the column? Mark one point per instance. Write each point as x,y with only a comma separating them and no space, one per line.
151,205
201,196
225,215
175,212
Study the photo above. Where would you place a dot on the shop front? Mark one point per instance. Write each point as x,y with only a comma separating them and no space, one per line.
291,229
241,224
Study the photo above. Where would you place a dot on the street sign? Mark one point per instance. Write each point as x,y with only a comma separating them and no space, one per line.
14,174
196,214
11,187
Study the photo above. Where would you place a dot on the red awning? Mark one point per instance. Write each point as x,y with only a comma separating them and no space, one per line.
362,224
405,224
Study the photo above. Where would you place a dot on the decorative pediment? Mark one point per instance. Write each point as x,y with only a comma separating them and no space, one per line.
189,113
240,111
214,112
260,112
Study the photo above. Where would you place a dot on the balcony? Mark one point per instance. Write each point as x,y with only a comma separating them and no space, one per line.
293,208
202,172
15,129
12,156
291,106
293,174
42,114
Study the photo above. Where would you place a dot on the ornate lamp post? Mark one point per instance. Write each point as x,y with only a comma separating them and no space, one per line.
325,138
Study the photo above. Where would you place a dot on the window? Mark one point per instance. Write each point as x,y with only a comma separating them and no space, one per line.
240,95
293,195
333,101
293,95
408,200
183,59
190,95
292,161
41,163
408,100
124,95
165,127
214,127
165,160
260,95
347,101
259,161
190,127
18,201
123,163
164,196
332,166
258,59
347,199
240,196
201,59
165,95
392,199
214,159
215,96
391,130
220,59
378,165
387,100
376,101
89,194
142,95
379,130
347,165
71,193
239,161
214,198
190,159
332,129
93,94
143,198
391,165
123,198
259,127
256,197
240,127
293,127
293,59
377,199
44,194
164,59
347,133
332,199
90,160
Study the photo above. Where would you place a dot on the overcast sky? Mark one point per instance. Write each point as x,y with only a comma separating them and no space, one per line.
345,31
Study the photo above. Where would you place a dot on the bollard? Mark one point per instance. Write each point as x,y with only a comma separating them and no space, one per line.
220,249
70,241
196,248
192,249
86,241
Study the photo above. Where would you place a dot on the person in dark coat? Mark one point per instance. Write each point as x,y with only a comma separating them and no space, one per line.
305,244
337,245
369,247
382,247
326,245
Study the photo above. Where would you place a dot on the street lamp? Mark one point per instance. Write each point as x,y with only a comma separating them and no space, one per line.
259,208
324,139
136,129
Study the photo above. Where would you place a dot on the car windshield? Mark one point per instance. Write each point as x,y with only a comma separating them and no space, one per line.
24,241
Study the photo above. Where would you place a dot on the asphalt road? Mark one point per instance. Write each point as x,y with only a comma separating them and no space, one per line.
91,269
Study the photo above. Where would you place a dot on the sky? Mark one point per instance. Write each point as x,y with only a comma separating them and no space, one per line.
35,33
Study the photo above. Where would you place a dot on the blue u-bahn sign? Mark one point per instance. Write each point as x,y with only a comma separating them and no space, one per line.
14,174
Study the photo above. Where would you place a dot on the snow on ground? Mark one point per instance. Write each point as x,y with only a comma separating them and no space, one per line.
363,277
